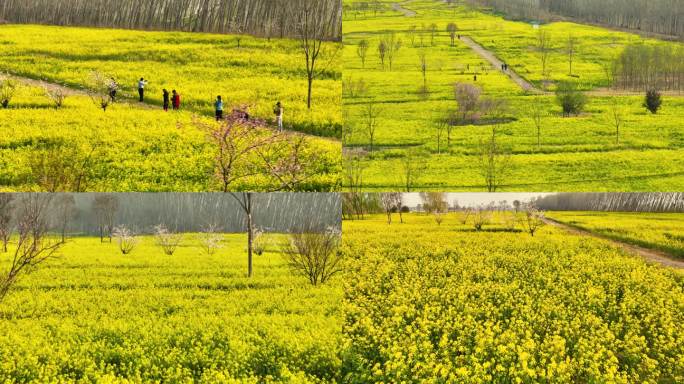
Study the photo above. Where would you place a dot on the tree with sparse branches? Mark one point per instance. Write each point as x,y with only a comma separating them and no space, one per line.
6,212
362,51
538,113
314,255
34,245
8,88
166,239
99,87
105,207
56,94
451,30
65,205
315,23
494,163
371,112
126,239
533,219
617,117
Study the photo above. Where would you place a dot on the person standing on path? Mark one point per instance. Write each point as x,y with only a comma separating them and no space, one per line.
141,88
113,87
175,100
278,110
218,106
166,99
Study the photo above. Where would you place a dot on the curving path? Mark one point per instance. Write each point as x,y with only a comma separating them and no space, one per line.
399,8
649,255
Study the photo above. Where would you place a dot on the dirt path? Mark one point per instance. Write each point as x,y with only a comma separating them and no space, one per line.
120,99
489,56
649,254
399,8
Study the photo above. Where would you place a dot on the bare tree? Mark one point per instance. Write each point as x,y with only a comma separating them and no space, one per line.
544,50
34,245
8,88
533,220
246,202
382,52
315,23
465,215
315,255
451,30
398,202
166,239
99,86
481,217
56,94
126,239
617,117
211,239
393,45
538,113
411,33
570,49
468,99
66,211
105,207
66,167
354,168
494,163
441,127
389,204
433,32
411,168
422,57
6,212
371,114
362,51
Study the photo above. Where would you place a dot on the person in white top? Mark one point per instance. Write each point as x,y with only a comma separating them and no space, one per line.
141,89
278,110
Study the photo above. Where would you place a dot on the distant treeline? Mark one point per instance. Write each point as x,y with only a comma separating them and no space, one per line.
266,18
192,212
655,16
642,66
616,202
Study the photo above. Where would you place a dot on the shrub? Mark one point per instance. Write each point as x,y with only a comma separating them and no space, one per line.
167,240
570,99
126,239
314,255
653,101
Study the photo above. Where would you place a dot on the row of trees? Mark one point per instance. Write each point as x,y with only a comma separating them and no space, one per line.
643,66
36,225
656,16
267,18
627,202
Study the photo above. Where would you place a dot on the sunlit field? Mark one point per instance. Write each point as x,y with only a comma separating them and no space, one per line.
199,66
662,231
95,315
576,153
126,148
447,303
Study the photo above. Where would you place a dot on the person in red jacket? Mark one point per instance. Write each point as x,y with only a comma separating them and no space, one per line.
175,100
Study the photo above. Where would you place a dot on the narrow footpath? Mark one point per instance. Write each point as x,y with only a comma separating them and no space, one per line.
649,255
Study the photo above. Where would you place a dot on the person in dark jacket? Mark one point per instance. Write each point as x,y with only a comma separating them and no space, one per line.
166,99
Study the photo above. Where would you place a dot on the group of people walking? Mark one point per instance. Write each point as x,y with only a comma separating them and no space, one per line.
173,99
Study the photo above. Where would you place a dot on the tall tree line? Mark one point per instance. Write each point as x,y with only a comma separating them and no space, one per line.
192,212
265,18
642,66
622,202
655,16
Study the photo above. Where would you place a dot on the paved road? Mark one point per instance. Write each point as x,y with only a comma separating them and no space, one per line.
648,254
